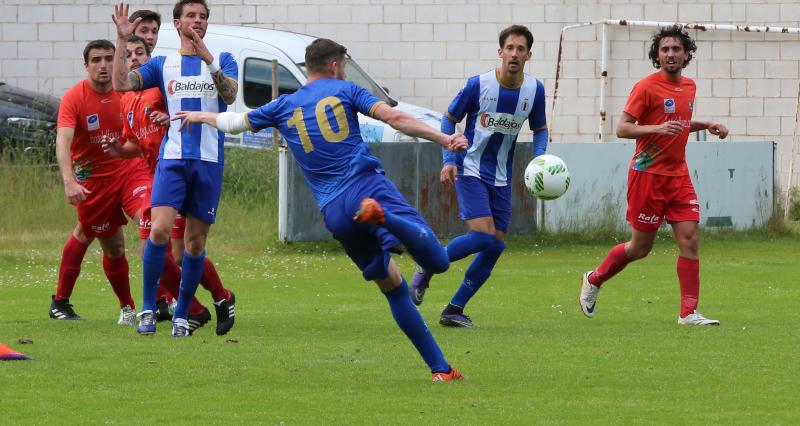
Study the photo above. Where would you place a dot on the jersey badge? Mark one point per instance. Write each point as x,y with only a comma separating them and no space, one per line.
130,119
93,122
669,106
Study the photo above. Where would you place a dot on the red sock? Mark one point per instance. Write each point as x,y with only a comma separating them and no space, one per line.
71,259
211,282
689,277
196,307
170,279
117,273
615,261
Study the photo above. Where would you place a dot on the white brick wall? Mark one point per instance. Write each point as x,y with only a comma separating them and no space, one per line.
423,50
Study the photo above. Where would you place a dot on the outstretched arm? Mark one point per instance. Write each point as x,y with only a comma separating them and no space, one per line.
413,127
229,122
121,79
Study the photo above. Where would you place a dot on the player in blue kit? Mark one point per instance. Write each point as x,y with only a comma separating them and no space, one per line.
361,207
188,176
496,105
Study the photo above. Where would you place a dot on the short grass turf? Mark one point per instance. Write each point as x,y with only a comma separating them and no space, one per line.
315,344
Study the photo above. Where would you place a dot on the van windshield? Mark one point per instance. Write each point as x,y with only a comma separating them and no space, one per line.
358,76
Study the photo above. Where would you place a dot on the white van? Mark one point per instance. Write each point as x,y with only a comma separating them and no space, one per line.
254,50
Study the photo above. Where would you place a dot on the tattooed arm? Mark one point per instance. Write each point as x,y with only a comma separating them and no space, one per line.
226,86
121,79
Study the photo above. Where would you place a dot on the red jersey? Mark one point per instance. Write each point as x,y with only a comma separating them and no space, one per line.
656,100
93,115
136,109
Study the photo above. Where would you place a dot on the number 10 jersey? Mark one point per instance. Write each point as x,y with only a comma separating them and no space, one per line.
320,125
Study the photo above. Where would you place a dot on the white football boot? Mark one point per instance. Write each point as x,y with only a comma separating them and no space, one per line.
696,318
127,316
589,294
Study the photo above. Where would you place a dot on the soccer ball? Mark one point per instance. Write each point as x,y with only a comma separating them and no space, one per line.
547,177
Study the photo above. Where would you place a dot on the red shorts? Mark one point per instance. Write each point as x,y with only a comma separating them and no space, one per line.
653,197
104,209
145,219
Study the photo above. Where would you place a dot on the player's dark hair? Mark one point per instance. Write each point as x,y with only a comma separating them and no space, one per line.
321,52
519,30
146,15
177,10
675,31
96,44
136,39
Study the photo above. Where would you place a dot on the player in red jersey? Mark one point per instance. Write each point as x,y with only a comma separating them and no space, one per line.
658,115
142,136
148,26
104,189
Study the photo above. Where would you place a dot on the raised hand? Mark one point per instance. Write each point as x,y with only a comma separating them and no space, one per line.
200,47
120,17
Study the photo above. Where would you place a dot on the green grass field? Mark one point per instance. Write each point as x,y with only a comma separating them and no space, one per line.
315,344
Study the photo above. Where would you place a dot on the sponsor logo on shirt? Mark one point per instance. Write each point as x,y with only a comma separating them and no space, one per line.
669,106
130,119
93,122
191,87
498,122
691,106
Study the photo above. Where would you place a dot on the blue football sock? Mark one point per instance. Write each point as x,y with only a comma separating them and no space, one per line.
471,242
477,273
153,260
191,270
420,241
410,321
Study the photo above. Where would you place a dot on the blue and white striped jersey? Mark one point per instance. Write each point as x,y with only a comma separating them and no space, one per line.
495,115
186,85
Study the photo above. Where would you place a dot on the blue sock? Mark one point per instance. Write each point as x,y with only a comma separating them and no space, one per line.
471,242
410,321
477,273
420,241
153,260
191,270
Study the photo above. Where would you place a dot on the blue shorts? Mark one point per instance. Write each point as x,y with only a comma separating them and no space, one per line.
190,186
477,198
368,245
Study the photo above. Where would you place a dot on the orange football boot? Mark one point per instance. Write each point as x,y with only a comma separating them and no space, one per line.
448,377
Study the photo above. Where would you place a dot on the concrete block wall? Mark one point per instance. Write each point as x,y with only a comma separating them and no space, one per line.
422,50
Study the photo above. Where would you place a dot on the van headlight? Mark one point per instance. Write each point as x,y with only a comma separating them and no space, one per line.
402,137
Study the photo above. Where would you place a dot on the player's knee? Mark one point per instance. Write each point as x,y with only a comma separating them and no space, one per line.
689,244
114,250
497,248
639,251
159,234
195,247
